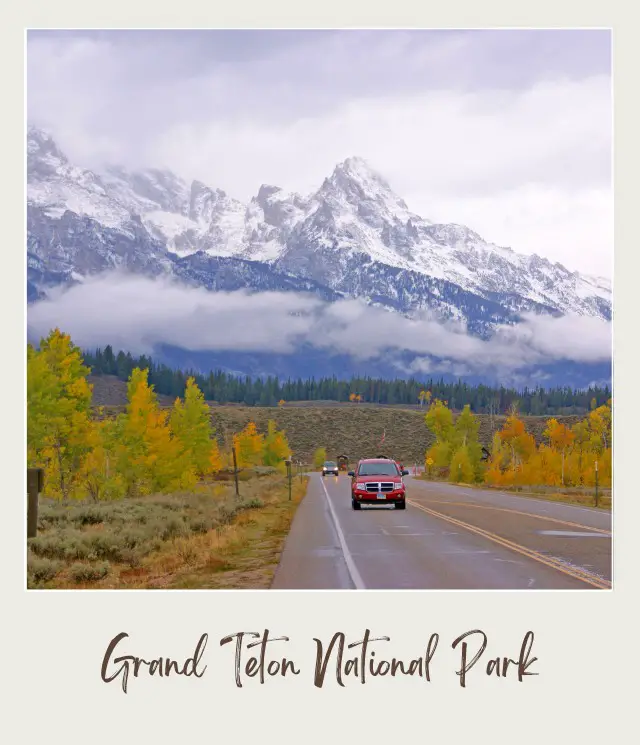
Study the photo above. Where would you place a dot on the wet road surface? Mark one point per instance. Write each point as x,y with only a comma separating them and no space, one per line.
449,537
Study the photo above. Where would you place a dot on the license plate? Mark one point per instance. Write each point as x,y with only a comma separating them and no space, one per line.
381,495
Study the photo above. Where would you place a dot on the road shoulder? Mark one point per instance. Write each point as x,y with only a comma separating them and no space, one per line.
312,558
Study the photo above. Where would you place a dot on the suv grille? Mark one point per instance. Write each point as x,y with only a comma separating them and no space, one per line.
382,486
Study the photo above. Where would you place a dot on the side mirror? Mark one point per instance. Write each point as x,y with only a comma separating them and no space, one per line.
405,472
351,473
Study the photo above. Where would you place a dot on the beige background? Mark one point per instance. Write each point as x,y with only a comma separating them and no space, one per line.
53,642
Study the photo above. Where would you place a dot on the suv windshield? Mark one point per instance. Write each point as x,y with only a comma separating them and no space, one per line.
378,469
329,464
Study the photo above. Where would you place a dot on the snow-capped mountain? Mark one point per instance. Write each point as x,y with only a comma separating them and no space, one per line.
353,237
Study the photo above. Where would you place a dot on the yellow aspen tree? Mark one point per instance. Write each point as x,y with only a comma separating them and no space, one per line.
439,419
319,457
551,465
581,446
462,470
465,434
98,473
510,434
43,391
525,447
532,469
216,458
600,427
560,438
191,426
498,457
149,458
248,445
275,448
58,412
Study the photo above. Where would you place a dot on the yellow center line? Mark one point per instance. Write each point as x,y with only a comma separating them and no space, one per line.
518,512
581,574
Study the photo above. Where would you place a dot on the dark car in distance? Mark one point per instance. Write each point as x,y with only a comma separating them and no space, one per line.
378,481
330,468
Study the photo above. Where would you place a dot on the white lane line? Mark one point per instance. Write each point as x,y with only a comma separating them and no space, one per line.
351,567
572,534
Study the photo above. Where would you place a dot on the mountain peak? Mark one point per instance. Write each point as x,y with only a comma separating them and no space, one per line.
359,182
358,169
356,162
41,144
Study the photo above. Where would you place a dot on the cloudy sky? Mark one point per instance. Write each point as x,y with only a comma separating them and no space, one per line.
508,132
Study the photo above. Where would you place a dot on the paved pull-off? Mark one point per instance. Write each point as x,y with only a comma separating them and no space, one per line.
449,537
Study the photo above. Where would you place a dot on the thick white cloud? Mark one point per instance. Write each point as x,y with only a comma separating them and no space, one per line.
136,314
507,132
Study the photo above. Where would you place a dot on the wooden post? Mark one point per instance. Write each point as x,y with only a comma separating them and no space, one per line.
288,463
35,484
235,471
596,483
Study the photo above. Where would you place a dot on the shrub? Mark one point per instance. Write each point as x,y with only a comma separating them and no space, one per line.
89,516
186,551
201,524
46,546
84,572
42,570
173,528
106,546
264,470
253,504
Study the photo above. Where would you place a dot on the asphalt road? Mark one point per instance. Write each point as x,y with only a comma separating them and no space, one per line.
449,537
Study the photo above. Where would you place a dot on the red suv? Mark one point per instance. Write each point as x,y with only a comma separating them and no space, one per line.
377,481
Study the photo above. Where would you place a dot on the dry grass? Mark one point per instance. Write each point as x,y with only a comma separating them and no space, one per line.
583,496
108,390
353,429
207,539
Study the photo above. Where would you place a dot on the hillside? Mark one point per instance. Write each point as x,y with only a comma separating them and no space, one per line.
351,429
